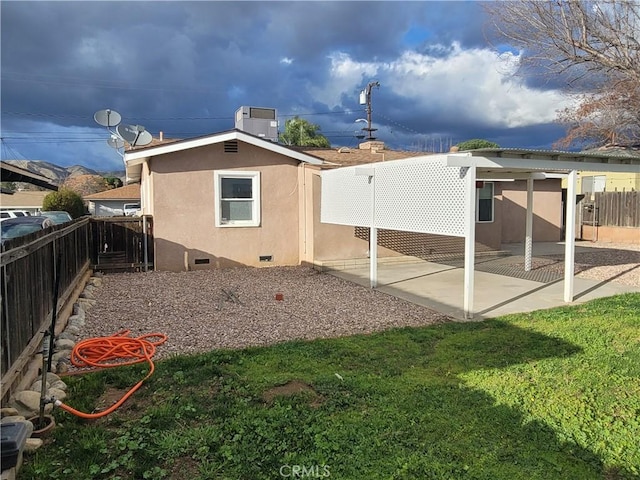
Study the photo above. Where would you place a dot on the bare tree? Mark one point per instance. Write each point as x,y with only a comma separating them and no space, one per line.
573,37
594,46
608,116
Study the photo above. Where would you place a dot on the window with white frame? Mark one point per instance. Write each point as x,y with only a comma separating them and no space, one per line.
484,202
237,198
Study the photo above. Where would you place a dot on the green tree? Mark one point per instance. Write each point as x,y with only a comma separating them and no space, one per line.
66,200
477,143
300,132
113,182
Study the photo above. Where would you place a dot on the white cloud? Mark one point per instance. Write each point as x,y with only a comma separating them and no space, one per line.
286,61
474,83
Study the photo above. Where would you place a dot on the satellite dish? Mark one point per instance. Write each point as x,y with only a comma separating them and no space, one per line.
115,142
136,135
107,118
143,139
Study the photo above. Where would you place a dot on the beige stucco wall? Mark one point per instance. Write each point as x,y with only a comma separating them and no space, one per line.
607,234
547,211
184,210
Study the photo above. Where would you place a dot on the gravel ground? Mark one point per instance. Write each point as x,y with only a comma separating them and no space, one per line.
198,316
618,263
193,309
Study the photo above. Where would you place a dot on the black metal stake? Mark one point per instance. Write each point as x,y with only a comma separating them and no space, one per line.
52,332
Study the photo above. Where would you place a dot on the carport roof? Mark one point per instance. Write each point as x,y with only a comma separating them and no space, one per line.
551,161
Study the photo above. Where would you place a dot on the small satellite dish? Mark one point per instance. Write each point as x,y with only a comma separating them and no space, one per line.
115,142
107,118
136,135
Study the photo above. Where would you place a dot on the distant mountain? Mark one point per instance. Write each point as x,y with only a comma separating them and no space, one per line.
58,174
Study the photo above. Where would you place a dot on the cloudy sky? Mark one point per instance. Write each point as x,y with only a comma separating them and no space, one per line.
184,68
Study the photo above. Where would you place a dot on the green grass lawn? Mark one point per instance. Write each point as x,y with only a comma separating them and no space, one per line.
554,394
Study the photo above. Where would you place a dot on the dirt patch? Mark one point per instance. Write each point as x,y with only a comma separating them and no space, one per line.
109,398
291,388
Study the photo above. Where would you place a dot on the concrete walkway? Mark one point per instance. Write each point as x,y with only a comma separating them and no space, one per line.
440,287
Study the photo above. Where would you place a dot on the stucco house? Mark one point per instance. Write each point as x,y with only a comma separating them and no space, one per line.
111,203
29,200
237,199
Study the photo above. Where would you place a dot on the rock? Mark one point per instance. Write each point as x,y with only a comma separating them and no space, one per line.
65,344
79,310
27,403
76,321
8,412
13,418
62,367
57,393
59,385
68,336
87,294
73,329
86,303
37,386
32,444
61,356
51,377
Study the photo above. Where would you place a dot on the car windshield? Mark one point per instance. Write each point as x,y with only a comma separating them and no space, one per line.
57,217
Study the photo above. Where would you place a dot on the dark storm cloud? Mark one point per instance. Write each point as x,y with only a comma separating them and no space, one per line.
185,67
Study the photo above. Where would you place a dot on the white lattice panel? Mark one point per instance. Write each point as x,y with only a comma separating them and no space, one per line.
345,198
420,195
415,195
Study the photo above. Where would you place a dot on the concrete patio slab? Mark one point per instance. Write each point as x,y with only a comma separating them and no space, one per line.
440,287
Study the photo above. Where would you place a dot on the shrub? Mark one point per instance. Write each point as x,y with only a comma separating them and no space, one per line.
64,199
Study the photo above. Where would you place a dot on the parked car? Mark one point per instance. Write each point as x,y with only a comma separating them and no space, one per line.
4,214
57,217
132,209
19,226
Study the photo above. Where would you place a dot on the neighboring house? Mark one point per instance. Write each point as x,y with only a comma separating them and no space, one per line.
111,203
235,199
29,200
594,182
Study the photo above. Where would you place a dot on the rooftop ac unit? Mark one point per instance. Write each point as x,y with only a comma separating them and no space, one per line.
262,122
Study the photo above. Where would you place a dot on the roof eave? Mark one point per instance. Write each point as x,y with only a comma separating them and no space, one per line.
137,157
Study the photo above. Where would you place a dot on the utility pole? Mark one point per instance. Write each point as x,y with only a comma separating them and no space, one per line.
365,98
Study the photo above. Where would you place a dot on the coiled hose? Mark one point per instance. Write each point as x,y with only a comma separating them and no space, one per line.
114,351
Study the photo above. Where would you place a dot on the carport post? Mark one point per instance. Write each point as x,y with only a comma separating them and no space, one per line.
469,240
373,257
528,239
373,231
570,236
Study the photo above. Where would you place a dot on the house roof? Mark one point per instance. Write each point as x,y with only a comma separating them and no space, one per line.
128,192
345,156
23,199
135,158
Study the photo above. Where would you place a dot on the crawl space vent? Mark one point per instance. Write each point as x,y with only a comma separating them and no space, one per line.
231,146
266,258
201,261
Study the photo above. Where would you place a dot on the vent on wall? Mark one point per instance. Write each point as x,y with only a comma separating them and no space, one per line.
231,146
266,258
201,261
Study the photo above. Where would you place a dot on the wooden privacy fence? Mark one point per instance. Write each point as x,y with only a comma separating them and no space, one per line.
28,273
614,209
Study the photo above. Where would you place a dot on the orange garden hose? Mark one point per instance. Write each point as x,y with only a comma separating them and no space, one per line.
114,351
